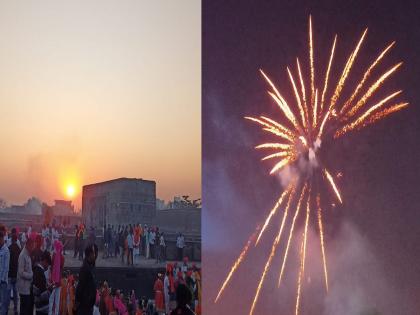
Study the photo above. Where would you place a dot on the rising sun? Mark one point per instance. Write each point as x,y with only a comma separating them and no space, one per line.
70,190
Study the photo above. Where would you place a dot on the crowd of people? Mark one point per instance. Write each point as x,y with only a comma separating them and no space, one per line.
128,242
33,277
177,292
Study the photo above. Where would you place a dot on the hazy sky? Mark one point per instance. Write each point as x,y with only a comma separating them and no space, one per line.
95,90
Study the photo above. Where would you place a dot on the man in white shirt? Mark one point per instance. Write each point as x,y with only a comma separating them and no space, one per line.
180,244
55,235
24,279
161,249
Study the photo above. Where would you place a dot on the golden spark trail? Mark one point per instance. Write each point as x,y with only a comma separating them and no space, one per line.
237,263
308,209
386,112
365,77
299,278
314,119
260,122
278,154
321,237
271,128
304,141
302,84
273,146
286,110
302,113
311,61
273,252
279,126
272,85
323,124
273,211
346,71
280,165
363,117
327,74
291,233
303,253
331,180
269,123
372,89
281,102
278,133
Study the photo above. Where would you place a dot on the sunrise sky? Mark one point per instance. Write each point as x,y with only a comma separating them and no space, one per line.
96,90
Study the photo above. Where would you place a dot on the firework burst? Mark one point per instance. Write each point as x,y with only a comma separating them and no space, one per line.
311,119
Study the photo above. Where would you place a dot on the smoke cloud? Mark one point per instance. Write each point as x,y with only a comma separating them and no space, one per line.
358,282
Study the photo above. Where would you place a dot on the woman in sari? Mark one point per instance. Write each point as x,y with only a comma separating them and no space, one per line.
158,288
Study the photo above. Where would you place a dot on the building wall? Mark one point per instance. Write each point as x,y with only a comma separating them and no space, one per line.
119,201
23,220
187,221
63,207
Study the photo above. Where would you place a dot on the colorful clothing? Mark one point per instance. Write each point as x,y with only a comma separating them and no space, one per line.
63,296
198,305
57,263
136,241
120,306
70,295
159,301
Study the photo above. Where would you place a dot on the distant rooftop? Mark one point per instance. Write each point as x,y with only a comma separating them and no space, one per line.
122,179
60,201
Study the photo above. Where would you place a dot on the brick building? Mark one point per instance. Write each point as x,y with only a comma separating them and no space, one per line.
119,201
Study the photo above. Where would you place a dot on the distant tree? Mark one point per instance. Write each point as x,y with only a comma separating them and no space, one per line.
3,203
186,200
187,203
184,203
197,203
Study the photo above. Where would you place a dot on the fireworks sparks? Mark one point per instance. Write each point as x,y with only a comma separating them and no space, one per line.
321,238
333,185
299,103
346,72
291,234
327,75
272,212
371,90
303,255
273,252
365,77
237,263
299,139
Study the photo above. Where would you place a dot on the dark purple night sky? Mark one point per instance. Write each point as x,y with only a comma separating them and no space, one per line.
373,239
